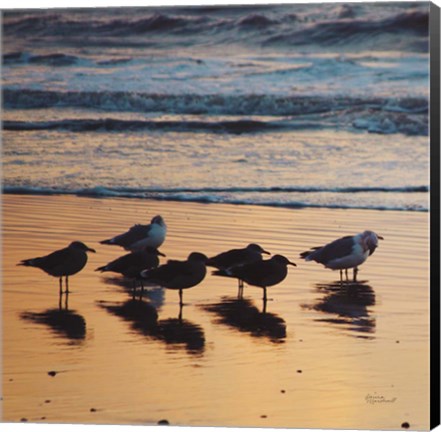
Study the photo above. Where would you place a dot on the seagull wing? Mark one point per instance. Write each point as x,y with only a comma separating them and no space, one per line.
56,258
167,272
253,273
337,249
134,234
226,259
51,261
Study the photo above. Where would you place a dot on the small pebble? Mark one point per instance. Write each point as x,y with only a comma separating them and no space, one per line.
24,419
52,373
282,391
43,418
263,416
163,422
92,409
405,425
47,401
299,370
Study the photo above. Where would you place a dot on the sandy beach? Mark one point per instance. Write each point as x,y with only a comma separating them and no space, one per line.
323,356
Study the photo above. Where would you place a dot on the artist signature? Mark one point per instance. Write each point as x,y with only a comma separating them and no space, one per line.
374,399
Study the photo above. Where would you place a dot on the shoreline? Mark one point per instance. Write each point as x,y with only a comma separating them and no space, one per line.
98,193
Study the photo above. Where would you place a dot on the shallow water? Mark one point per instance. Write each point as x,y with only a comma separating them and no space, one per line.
322,356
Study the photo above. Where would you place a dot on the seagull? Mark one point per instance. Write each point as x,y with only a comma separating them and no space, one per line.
179,274
140,236
345,253
131,264
262,274
64,262
237,257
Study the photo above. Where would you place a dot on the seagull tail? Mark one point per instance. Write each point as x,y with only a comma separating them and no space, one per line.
306,255
210,263
102,269
109,241
221,273
33,262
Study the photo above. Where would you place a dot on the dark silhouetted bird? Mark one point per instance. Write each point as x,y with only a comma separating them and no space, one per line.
262,274
64,262
179,274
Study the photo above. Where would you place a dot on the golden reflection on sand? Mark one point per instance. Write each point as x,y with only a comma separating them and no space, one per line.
316,356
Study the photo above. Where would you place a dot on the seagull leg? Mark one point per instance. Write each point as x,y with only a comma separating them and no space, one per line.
341,276
346,273
264,295
67,285
240,291
180,298
142,290
61,286
66,301
264,306
355,273
134,289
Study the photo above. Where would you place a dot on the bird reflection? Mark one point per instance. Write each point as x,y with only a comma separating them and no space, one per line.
241,314
143,317
61,320
350,304
155,295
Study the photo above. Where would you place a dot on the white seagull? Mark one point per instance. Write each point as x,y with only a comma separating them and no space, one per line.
138,237
345,253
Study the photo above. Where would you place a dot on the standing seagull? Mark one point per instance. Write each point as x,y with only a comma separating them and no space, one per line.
262,274
140,236
179,274
133,263
64,262
237,257
345,253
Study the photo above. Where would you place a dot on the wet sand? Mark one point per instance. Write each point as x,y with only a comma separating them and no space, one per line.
323,356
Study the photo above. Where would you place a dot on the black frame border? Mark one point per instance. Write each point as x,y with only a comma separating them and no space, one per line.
434,119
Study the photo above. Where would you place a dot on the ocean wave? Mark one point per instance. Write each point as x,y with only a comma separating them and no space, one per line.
58,59
270,25
408,116
148,22
389,124
232,195
116,125
251,104
359,31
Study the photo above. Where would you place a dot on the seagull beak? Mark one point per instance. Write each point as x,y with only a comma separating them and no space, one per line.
161,254
380,238
292,263
266,252
91,250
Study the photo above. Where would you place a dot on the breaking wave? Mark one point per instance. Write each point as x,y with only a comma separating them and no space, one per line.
378,115
271,26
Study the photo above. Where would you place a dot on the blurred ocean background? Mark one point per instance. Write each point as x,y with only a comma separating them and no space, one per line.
302,105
